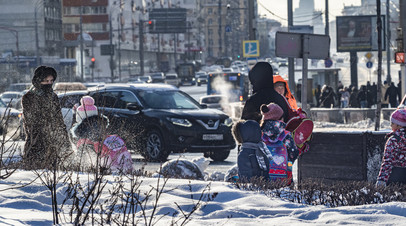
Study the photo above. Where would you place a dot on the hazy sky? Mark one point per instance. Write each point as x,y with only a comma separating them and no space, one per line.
280,8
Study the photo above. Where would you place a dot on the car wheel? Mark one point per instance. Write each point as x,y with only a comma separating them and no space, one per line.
218,155
199,84
154,147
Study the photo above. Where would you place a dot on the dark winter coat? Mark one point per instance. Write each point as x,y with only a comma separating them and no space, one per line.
261,78
46,135
354,103
393,168
93,128
327,97
392,94
248,134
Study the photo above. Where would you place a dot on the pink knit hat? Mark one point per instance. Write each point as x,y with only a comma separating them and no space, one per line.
271,112
86,109
399,117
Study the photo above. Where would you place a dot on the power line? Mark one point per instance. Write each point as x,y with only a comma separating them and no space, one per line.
301,21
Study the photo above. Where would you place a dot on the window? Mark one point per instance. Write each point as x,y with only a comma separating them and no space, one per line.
209,11
125,98
94,27
166,100
106,99
87,10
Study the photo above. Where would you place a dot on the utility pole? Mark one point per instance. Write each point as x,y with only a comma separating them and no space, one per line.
119,45
36,39
141,46
327,28
111,50
402,18
388,37
291,68
81,43
379,28
220,31
251,19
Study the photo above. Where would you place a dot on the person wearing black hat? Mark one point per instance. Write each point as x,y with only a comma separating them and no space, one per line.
261,78
46,139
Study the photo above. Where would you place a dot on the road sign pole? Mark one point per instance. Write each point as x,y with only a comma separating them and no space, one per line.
305,47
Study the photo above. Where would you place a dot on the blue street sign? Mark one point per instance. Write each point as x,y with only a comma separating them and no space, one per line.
251,48
369,64
228,28
328,62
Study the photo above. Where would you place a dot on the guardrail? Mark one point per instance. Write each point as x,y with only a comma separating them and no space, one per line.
337,115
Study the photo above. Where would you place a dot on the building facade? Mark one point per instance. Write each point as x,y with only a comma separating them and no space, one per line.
30,35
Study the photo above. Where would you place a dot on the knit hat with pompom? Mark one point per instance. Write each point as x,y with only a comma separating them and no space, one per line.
271,111
399,117
86,109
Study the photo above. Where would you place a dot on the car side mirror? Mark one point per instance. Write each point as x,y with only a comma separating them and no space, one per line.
134,107
203,105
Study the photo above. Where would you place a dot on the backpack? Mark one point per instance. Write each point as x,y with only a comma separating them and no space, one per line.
115,152
301,128
280,169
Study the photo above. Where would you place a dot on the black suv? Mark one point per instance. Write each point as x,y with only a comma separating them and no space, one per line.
157,119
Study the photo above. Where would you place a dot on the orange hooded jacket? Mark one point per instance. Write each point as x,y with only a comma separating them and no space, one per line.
288,95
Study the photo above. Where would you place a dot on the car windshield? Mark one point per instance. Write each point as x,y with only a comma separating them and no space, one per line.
2,104
10,95
171,76
172,99
211,100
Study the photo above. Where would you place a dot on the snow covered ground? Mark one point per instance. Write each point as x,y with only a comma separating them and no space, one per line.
31,205
361,126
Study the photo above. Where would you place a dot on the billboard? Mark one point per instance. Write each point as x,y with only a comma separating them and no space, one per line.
358,33
166,20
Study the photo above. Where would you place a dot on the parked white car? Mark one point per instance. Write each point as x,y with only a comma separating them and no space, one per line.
10,121
11,98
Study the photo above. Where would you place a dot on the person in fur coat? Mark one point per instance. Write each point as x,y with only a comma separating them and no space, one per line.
46,139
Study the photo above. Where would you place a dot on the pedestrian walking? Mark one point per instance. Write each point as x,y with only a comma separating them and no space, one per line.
47,140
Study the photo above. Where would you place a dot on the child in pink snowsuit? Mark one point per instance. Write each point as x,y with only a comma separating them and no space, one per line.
91,129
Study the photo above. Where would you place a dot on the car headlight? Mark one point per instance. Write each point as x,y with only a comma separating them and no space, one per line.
180,122
228,122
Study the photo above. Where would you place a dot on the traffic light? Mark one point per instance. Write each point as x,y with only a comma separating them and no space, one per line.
93,60
151,25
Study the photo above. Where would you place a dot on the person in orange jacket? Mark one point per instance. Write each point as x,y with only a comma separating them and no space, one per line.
281,86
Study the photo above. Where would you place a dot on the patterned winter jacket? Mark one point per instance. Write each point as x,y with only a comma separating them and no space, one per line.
394,155
272,129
